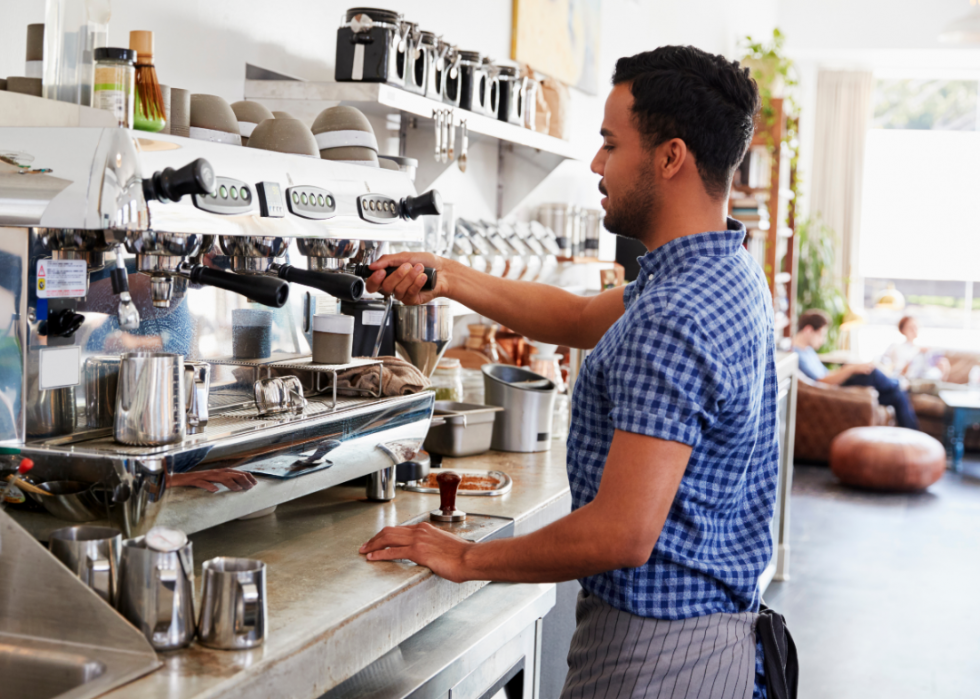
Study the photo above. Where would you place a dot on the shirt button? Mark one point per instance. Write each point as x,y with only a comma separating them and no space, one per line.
650,277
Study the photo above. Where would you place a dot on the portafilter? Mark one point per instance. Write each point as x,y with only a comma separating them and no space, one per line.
423,333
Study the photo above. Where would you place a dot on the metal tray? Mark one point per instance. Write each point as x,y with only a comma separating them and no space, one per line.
467,431
506,483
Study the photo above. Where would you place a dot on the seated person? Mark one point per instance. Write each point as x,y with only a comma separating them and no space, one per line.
812,333
911,361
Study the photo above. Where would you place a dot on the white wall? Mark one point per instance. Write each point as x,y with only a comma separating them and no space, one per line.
203,46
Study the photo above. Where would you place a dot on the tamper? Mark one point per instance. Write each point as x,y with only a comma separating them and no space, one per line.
447,512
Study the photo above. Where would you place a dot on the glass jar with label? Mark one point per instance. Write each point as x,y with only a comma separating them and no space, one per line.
447,380
115,83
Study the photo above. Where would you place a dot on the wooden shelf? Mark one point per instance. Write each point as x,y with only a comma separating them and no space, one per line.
380,99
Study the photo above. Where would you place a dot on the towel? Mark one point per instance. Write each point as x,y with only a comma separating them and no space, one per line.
399,378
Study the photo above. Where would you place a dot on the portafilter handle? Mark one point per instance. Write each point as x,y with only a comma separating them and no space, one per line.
264,290
346,287
365,271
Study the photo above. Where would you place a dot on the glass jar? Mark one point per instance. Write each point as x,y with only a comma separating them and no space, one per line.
549,366
447,380
115,83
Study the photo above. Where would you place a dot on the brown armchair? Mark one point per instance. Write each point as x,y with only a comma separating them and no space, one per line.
824,411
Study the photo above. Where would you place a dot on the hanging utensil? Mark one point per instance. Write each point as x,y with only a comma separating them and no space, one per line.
452,137
464,145
446,128
436,119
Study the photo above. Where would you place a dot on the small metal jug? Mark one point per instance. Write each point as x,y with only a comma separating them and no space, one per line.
156,587
233,604
91,553
150,400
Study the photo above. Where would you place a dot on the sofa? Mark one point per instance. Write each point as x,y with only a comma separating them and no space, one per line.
931,411
824,411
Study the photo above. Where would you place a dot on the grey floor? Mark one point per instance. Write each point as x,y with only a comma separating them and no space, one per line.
884,595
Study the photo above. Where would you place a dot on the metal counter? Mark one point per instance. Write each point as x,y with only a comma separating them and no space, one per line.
331,613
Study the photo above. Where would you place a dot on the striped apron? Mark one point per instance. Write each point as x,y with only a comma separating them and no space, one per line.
618,655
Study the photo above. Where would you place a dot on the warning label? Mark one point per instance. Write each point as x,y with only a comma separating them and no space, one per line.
61,279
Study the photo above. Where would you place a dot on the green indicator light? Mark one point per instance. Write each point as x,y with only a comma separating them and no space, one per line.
223,191
319,199
295,198
234,192
305,200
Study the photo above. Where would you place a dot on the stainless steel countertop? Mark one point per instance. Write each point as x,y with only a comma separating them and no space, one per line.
330,611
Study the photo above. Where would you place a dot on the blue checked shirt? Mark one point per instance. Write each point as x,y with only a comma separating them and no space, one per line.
691,361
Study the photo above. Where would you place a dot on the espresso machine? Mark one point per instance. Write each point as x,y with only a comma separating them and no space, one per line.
115,245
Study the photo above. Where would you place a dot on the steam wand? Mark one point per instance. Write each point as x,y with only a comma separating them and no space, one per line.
129,316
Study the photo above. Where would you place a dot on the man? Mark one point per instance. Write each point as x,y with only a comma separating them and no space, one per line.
811,336
672,452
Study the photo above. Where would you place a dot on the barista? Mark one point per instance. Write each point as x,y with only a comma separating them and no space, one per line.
672,452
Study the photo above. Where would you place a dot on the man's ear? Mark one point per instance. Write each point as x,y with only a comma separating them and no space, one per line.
672,156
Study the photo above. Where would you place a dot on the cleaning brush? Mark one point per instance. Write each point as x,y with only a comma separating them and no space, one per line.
149,113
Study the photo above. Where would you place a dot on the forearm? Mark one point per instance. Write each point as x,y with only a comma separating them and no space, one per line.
537,311
838,376
574,547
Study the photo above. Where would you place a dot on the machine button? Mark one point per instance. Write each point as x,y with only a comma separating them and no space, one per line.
330,201
245,194
296,197
234,193
319,199
304,199
223,191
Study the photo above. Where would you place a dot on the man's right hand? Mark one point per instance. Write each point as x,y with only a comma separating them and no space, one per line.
405,283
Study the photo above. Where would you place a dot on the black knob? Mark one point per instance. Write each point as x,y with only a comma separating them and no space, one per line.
170,185
364,271
425,204
61,323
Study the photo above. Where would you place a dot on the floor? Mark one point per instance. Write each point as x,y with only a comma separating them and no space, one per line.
884,598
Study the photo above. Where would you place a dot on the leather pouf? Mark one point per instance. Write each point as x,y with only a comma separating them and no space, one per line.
887,458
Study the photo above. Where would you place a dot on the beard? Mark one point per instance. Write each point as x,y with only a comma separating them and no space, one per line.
631,213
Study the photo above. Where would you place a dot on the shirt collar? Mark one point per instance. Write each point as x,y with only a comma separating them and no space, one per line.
670,256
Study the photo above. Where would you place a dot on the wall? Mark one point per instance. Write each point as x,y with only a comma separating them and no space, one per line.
203,46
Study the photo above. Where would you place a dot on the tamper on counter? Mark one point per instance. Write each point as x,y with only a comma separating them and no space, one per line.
447,512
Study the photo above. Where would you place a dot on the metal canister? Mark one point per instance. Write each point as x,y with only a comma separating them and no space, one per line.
473,81
510,86
413,61
592,226
452,77
555,218
435,53
368,46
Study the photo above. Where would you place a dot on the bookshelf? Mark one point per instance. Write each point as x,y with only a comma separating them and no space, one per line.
762,199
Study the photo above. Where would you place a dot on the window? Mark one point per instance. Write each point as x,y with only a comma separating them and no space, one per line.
920,220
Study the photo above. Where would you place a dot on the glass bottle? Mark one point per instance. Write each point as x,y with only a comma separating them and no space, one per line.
115,83
73,29
447,380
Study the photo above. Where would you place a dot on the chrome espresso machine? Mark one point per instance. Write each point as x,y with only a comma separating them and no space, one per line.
117,245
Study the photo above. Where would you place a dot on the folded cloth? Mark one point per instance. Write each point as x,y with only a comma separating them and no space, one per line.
399,378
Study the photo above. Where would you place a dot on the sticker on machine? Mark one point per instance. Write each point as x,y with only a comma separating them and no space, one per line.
62,279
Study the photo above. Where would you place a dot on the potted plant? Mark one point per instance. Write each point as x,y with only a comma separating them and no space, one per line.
816,286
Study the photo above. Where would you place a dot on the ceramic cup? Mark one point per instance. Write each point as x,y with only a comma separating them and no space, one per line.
344,134
180,112
284,136
249,114
212,119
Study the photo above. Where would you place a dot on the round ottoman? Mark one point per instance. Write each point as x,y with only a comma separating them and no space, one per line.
887,458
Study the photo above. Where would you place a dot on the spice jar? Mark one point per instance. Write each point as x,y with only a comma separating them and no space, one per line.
447,380
115,83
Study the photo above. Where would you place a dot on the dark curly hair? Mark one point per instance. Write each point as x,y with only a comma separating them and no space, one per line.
706,101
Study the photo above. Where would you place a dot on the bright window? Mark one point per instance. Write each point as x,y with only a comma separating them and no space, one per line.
920,220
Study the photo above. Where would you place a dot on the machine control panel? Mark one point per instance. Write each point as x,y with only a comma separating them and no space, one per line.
311,202
377,208
271,204
228,197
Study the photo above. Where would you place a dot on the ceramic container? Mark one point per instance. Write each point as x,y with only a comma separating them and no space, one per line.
343,133
284,136
212,119
250,114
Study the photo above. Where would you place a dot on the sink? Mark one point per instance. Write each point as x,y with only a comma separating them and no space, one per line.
34,669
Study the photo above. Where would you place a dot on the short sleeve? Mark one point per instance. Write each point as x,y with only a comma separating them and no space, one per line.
667,381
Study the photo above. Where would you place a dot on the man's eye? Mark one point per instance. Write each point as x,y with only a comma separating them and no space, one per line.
606,146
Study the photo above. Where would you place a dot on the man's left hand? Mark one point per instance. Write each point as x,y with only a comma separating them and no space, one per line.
424,544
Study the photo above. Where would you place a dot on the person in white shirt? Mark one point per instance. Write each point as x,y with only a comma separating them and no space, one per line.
911,361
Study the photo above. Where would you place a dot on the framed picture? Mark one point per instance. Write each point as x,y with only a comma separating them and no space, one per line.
559,38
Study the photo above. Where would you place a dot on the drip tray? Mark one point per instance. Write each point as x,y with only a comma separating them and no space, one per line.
475,527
